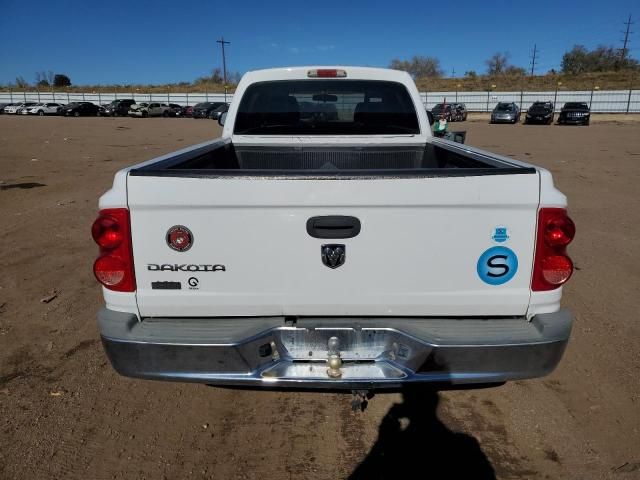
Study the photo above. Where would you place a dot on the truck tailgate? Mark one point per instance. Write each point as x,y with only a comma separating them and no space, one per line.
419,252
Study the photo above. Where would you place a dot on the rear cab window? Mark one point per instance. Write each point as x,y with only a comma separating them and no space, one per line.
326,107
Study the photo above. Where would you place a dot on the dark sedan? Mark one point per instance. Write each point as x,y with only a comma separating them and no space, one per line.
574,113
117,108
204,109
186,111
79,109
215,114
540,112
443,110
175,110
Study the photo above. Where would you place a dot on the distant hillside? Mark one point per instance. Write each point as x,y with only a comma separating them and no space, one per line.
587,81
182,87
622,80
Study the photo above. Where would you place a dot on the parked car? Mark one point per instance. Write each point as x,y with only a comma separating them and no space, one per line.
215,114
461,112
101,109
3,106
443,110
540,112
505,112
42,109
452,112
576,113
79,109
153,109
187,111
117,108
175,110
139,110
25,106
156,109
460,282
16,108
204,109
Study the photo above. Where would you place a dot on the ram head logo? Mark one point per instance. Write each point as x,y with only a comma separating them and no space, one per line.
333,255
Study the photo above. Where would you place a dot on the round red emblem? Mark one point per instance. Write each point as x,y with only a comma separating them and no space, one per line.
179,238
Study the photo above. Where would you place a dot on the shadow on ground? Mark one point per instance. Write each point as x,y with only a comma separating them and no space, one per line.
414,443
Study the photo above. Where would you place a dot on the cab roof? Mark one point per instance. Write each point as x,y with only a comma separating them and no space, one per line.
302,72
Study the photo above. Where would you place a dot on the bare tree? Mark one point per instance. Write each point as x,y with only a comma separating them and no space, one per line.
601,59
41,79
21,82
514,71
216,75
233,77
497,63
418,66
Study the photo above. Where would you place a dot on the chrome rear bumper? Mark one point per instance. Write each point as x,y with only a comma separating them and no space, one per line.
373,352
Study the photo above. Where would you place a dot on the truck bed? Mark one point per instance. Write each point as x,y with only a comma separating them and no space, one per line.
437,158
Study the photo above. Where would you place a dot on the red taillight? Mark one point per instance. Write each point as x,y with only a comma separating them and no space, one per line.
552,266
114,267
106,232
559,231
110,271
557,269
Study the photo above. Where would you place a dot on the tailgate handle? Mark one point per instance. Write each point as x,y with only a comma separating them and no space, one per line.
333,226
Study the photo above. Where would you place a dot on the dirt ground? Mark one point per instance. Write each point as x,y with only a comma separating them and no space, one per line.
65,414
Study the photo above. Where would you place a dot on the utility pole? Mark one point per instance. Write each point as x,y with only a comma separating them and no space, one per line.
222,43
453,73
623,53
533,58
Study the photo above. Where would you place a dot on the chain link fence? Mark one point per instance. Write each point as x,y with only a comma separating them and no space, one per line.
600,101
103,98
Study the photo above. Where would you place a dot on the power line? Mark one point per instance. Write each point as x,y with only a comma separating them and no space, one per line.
533,58
222,43
624,51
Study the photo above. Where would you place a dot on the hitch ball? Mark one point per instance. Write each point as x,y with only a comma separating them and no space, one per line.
334,362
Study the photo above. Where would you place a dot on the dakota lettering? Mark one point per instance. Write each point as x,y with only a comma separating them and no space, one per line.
185,267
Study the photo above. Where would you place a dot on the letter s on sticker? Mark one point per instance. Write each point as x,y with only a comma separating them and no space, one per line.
497,265
493,265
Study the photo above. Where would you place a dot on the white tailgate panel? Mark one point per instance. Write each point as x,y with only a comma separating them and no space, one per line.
416,254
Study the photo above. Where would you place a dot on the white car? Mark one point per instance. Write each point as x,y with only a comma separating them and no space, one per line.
350,251
42,109
18,107
152,109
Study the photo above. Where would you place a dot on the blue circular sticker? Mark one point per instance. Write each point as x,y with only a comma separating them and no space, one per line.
497,265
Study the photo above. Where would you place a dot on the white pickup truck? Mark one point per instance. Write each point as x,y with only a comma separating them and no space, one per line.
338,245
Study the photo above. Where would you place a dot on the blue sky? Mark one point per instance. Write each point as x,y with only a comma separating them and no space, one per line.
125,42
